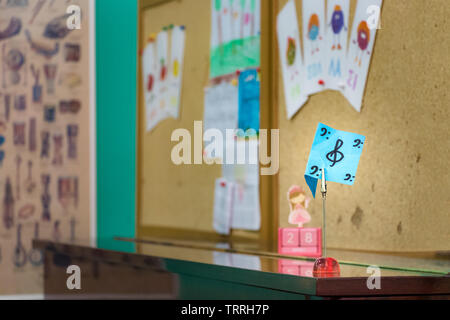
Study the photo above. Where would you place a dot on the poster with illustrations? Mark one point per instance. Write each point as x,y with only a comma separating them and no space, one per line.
45,134
176,71
313,16
360,48
235,36
162,63
291,59
336,42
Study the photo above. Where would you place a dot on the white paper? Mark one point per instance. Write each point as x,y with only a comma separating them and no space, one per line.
336,42
246,208
235,19
176,71
292,66
162,99
225,21
222,206
149,68
360,50
241,165
162,43
241,168
221,110
313,14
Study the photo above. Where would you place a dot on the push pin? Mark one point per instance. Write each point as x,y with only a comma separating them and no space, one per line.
325,267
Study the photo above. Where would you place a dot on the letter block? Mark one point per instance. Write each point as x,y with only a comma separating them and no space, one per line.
306,242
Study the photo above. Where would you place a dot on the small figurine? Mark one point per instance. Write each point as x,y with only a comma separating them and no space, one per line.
299,202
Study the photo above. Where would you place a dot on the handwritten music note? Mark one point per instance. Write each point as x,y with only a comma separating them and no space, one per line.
336,151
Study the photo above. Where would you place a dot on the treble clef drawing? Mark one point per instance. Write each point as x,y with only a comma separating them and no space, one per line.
335,156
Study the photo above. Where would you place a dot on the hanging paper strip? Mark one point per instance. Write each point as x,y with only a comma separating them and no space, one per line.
176,71
291,59
336,43
313,14
362,40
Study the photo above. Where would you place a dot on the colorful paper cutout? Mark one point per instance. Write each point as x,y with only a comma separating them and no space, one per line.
291,59
249,106
336,43
235,36
362,40
313,14
338,152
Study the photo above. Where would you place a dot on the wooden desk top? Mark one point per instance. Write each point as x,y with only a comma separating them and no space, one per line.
244,264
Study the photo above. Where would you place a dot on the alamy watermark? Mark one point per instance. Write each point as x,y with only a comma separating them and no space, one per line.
74,280
256,147
73,22
374,21
374,281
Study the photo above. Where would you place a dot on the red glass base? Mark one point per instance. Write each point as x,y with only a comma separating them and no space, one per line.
326,268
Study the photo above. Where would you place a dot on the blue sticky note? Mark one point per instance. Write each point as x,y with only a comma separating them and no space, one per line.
338,152
249,107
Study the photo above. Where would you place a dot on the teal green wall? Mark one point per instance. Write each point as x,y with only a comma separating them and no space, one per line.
116,55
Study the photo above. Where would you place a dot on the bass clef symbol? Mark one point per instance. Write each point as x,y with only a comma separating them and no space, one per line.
335,156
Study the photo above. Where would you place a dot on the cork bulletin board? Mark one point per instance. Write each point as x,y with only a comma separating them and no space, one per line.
45,130
179,199
400,201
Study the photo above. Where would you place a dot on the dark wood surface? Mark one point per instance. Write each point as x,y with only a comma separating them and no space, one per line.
165,258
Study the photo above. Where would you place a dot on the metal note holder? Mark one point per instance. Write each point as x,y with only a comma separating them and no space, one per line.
325,267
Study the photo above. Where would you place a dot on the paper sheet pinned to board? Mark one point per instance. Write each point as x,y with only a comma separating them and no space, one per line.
291,59
337,26
338,152
313,14
149,70
176,71
244,173
249,97
223,194
235,36
362,40
221,112
162,76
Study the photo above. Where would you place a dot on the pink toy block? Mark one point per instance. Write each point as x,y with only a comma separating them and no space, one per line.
309,242
290,237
